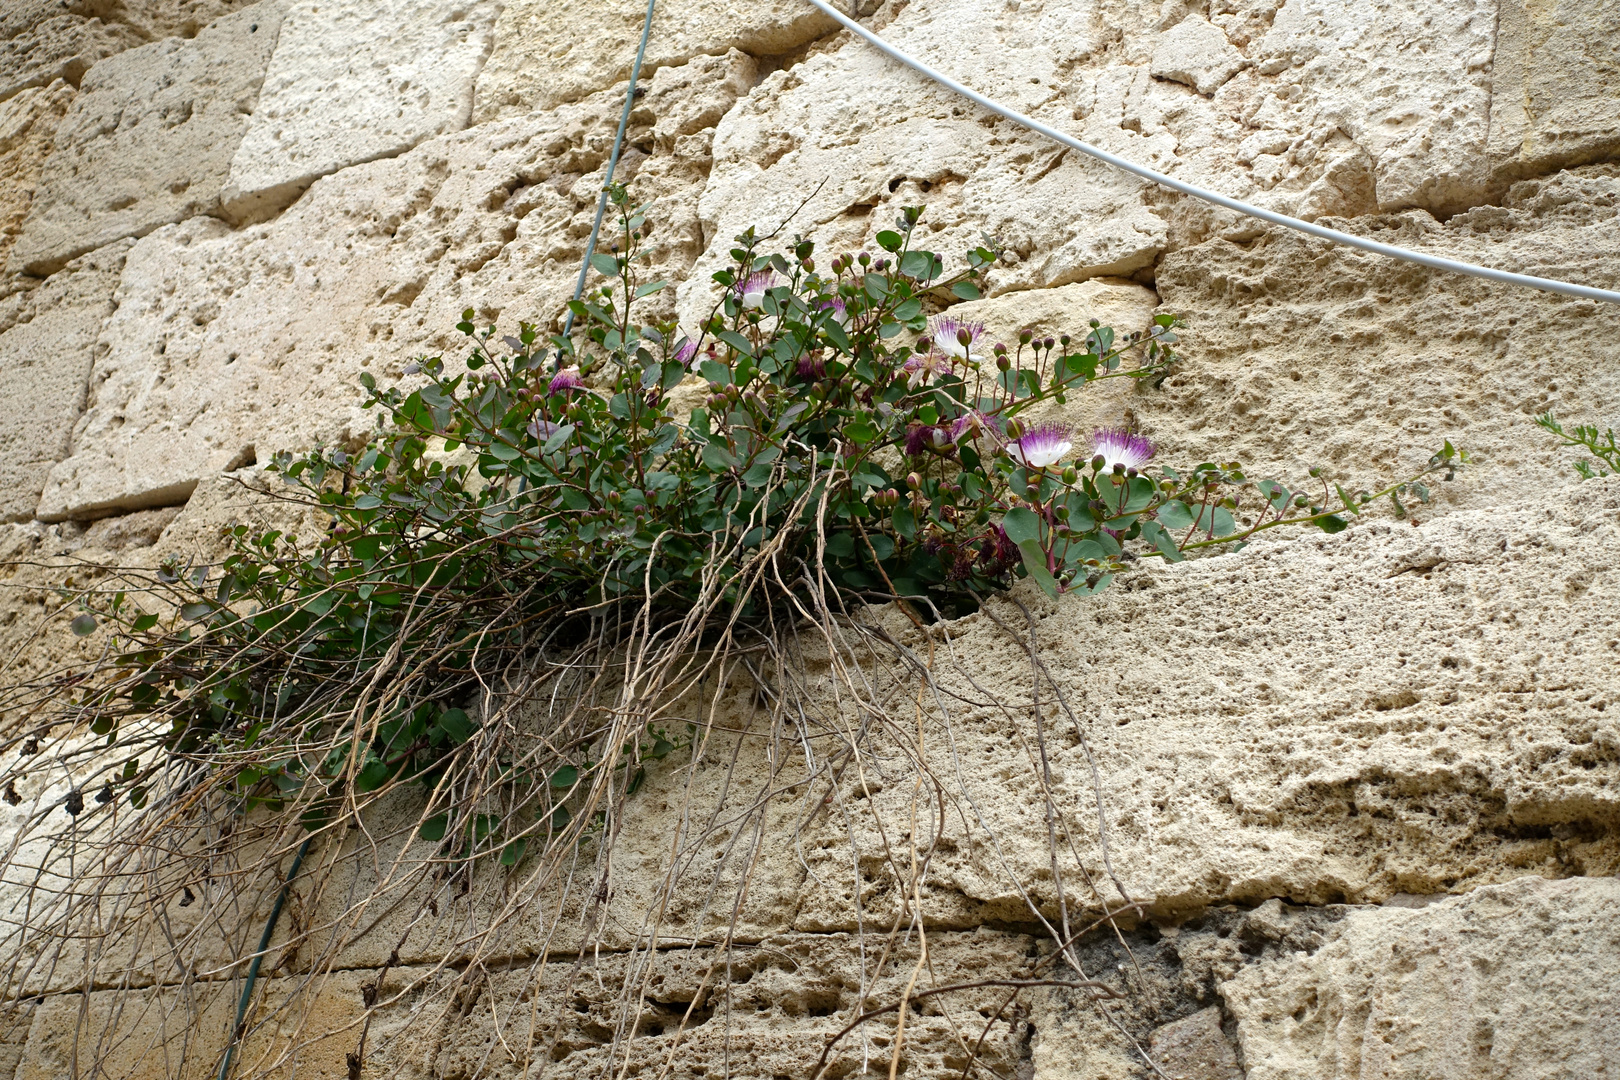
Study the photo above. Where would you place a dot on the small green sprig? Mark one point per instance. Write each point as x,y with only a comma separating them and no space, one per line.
1601,446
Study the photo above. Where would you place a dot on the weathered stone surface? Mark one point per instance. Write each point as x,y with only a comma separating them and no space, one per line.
550,51
1197,54
353,81
1195,1048
1302,353
43,40
1433,711
1512,981
45,361
158,19
149,139
231,345
28,124
1333,115
178,1033
1555,76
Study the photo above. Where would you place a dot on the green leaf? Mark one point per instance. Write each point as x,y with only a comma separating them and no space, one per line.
841,545
456,725
718,458
889,240
367,502
1333,523
144,623
1022,526
736,341
660,749
84,624
373,775
433,829
606,265
1154,534
714,371
908,310
189,612
565,777
966,290
650,288
512,852
1035,563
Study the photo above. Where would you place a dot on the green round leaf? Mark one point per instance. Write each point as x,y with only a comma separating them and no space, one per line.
565,777
84,624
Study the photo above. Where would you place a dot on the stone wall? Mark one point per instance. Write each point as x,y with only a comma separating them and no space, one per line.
1364,788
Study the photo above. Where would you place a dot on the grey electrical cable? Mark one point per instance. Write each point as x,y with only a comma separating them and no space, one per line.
613,163
1434,261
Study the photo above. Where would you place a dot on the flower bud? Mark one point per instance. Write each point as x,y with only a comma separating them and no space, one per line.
1049,343
1063,339
1071,475
1025,337
964,338
1119,468
913,481
1128,472
1015,430
1002,362
864,259
924,343
1098,462
808,263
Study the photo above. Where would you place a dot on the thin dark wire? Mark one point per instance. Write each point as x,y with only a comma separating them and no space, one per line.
613,163
258,958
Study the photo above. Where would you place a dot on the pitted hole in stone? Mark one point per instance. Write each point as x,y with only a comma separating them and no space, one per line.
245,458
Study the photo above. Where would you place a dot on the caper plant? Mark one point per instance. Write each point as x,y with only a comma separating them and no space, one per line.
1601,445
849,436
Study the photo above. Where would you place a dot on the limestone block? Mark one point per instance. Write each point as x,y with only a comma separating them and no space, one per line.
1555,97
1197,54
1338,116
1422,114
229,345
28,124
1395,709
179,1032
550,51
353,81
149,139
1301,353
1195,1048
158,19
43,40
1511,981
45,362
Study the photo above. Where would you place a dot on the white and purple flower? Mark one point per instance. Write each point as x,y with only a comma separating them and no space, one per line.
751,290
685,353
838,310
1041,446
566,379
1120,446
924,368
948,331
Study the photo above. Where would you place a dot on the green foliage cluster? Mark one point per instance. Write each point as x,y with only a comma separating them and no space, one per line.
852,440
1601,446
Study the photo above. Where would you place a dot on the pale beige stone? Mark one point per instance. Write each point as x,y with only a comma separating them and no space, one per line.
353,81
1555,98
28,124
45,362
158,19
149,139
1197,54
228,346
43,40
1195,1048
1512,981
550,51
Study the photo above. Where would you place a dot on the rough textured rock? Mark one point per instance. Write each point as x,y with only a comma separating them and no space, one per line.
547,52
351,82
1555,98
1432,712
27,130
1302,353
1512,981
44,40
149,139
158,19
45,362
231,345
1197,54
